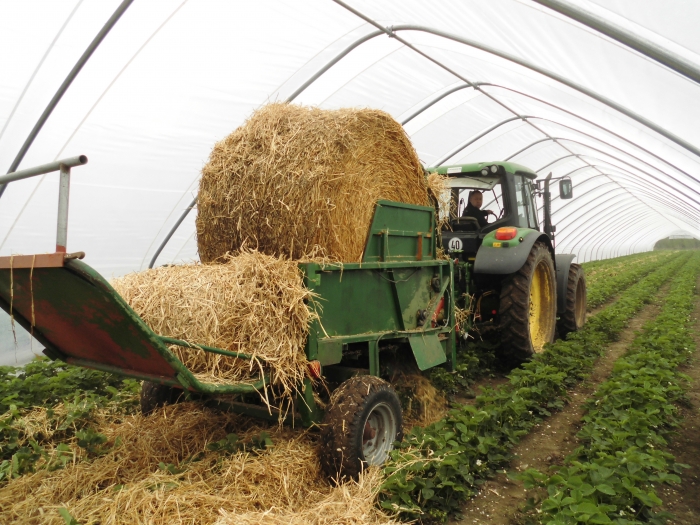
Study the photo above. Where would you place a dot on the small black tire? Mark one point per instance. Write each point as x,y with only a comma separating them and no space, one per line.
362,421
528,306
574,316
154,395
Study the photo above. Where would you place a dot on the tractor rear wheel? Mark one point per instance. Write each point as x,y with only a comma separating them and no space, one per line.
574,316
362,420
154,395
528,306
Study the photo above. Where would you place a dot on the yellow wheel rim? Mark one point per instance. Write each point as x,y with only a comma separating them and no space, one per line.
541,307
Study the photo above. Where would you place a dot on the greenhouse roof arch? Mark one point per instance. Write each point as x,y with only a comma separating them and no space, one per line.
171,78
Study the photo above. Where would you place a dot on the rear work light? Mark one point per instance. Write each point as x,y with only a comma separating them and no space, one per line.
506,234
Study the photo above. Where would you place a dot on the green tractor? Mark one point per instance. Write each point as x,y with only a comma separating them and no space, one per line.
508,277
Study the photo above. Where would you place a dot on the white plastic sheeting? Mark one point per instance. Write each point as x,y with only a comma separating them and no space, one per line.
175,76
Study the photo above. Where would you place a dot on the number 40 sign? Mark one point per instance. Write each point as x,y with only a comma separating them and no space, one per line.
454,244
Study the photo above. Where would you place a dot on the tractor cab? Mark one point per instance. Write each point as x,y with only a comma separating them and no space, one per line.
506,191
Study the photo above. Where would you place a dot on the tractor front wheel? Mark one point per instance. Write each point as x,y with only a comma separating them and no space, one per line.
361,423
574,316
154,395
528,306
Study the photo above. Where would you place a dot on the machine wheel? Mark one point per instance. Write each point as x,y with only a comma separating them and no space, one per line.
528,306
154,395
362,420
574,317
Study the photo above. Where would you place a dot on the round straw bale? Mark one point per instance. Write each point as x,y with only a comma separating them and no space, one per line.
303,182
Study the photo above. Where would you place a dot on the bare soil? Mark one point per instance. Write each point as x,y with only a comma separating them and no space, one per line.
684,500
500,499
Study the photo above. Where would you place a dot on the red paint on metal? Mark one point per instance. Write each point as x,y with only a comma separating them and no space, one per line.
40,260
440,308
84,323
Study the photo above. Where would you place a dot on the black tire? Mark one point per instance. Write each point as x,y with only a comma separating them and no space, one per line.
154,395
362,420
574,316
528,306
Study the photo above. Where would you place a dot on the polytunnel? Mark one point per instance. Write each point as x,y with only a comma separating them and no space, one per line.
603,92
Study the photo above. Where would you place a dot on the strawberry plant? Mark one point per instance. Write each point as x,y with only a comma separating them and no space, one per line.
606,282
436,468
611,477
70,397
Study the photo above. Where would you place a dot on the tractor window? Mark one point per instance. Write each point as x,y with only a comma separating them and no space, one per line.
492,200
527,213
461,187
532,217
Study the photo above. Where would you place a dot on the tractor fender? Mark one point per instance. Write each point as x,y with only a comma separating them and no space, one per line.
563,263
504,261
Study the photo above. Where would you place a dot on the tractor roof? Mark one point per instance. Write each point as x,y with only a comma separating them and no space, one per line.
510,167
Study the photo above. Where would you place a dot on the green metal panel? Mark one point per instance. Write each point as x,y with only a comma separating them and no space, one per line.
365,301
428,351
330,351
401,232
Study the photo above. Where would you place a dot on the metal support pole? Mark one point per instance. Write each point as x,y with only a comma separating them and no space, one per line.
468,143
592,123
172,231
70,162
646,47
62,222
65,85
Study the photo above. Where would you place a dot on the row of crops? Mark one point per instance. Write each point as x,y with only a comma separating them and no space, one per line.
57,421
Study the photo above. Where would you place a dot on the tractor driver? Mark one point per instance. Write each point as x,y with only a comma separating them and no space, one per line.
473,209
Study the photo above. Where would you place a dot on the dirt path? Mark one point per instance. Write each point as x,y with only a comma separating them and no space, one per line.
684,500
548,443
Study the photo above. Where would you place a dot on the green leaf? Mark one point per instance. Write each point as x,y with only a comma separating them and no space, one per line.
67,518
605,489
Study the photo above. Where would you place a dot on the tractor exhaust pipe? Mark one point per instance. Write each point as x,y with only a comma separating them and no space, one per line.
548,228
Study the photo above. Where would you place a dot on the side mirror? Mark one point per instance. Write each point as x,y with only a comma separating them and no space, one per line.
566,189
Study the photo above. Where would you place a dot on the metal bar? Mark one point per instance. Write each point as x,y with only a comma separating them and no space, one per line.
433,102
650,195
594,230
668,201
638,159
70,162
690,213
612,239
64,87
172,231
247,409
333,62
607,144
554,76
473,140
212,349
528,147
646,47
63,199
624,162
605,240
607,130
604,230
557,160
